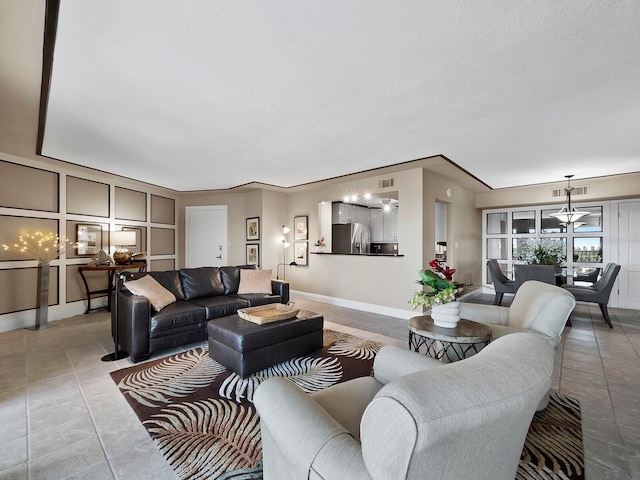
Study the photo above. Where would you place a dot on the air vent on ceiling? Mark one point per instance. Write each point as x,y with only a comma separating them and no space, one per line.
387,182
561,192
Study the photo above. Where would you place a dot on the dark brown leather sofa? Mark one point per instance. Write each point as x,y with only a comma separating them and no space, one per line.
202,294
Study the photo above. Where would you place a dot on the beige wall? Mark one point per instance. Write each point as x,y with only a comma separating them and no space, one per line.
386,282
21,27
601,188
464,227
86,197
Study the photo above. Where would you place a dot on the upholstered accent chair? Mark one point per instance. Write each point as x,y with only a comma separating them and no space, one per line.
501,283
599,292
415,418
536,306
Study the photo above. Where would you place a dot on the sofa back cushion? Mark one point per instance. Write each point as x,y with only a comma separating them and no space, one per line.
231,278
201,282
171,281
542,307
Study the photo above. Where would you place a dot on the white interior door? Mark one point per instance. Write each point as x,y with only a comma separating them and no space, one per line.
206,236
629,254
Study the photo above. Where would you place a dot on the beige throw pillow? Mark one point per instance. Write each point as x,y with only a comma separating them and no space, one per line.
147,286
254,281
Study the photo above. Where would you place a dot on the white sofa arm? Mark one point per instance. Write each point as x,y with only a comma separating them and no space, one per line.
484,313
393,362
298,426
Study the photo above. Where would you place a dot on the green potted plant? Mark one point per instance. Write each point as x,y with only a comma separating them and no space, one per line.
546,251
440,293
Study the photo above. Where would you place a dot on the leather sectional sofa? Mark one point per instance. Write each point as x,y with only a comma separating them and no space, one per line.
202,294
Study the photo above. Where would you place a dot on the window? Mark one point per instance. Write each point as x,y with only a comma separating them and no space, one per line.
497,248
551,224
587,249
496,223
509,231
590,223
523,222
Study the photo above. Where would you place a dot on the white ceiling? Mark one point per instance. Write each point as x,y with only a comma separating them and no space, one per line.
209,94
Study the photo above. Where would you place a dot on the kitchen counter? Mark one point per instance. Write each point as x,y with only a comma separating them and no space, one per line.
360,254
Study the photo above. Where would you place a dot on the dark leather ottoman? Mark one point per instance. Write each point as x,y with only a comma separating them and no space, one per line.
245,347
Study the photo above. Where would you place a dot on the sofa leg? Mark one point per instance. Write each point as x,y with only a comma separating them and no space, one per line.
140,358
605,314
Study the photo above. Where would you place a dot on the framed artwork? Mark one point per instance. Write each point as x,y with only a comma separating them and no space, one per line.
300,227
89,238
253,228
253,254
301,253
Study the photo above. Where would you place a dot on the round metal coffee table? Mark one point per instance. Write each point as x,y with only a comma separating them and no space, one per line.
448,344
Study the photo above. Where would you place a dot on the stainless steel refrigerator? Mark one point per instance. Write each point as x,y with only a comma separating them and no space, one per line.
350,238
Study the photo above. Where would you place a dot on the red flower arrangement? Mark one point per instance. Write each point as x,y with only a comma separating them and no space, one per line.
446,271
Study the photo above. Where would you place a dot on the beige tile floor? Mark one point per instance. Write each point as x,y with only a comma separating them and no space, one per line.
61,415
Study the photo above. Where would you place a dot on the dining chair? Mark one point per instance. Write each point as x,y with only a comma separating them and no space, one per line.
501,283
599,292
541,273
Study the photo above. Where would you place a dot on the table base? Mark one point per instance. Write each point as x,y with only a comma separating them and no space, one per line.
443,350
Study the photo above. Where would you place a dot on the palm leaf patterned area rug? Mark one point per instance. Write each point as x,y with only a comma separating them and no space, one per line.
202,417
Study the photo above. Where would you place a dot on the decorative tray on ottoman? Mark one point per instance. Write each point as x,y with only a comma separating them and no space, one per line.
268,313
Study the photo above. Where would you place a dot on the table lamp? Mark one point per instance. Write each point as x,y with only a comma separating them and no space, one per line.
122,239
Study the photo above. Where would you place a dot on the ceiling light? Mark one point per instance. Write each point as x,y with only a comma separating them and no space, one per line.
567,213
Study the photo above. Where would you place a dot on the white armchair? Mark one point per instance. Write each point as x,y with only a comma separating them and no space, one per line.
536,306
416,418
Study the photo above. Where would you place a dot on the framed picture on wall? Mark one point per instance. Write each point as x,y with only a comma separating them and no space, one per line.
301,227
301,253
253,228
89,238
253,254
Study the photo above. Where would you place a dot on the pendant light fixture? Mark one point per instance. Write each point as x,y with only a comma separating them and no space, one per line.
567,213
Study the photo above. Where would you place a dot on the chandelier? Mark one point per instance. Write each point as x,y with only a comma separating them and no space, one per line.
567,213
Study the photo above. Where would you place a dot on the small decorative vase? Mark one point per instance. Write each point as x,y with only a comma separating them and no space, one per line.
319,248
446,315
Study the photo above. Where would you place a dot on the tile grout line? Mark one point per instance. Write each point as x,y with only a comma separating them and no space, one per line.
91,416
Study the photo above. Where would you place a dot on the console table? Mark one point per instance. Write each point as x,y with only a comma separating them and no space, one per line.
111,271
451,344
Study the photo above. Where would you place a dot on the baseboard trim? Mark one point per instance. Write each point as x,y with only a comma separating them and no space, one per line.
27,318
362,306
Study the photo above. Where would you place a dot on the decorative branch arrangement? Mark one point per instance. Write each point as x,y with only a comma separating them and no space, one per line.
41,247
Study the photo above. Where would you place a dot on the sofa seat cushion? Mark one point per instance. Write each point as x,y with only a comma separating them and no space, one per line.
220,306
201,282
177,316
257,299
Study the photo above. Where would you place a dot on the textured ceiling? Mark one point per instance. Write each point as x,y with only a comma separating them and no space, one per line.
201,94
